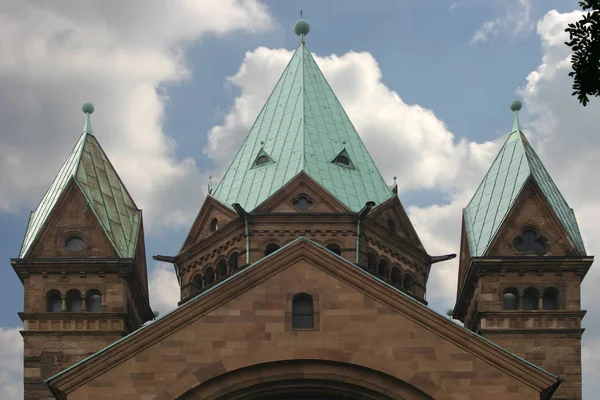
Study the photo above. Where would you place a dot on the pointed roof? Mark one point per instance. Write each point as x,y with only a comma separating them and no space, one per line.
516,163
303,127
89,167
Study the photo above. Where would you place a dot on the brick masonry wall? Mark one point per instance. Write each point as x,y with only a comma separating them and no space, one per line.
251,328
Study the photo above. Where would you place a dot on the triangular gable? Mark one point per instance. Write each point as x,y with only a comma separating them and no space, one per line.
394,210
262,159
302,184
531,210
302,126
199,229
320,258
104,191
515,164
343,159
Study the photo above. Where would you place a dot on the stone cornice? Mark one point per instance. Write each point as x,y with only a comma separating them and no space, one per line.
394,241
246,279
233,230
535,331
54,316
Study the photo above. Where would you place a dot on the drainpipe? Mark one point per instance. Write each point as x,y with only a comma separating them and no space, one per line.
243,214
362,214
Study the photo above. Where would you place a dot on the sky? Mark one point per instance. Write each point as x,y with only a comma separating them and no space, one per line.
177,84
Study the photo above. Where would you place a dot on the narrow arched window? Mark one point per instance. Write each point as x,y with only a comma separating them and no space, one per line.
550,299
408,282
221,269
197,281
391,226
383,269
93,301
214,225
530,299
234,261
510,299
371,262
271,248
396,276
209,276
74,300
302,311
335,248
53,301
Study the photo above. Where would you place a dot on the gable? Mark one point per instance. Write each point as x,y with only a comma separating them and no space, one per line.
392,217
71,217
532,212
242,319
302,185
211,210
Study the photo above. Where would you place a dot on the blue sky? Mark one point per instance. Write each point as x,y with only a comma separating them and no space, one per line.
426,52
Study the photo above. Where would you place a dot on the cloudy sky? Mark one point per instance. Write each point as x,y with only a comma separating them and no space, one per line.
177,85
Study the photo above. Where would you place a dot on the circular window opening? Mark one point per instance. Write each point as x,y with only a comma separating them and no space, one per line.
75,244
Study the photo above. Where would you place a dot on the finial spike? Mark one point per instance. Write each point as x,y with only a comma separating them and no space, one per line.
87,108
515,107
300,13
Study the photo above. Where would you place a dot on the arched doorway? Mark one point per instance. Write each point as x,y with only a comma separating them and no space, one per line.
300,380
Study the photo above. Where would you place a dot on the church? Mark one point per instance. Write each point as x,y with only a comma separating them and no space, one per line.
302,277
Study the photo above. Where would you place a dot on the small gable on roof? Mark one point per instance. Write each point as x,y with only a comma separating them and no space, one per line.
252,306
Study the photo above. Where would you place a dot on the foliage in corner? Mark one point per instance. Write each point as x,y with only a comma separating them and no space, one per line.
584,40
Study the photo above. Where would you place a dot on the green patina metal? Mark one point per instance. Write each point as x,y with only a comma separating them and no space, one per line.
89,167
302,127
515,164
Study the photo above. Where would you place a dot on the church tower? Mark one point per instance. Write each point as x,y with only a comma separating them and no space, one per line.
522,261
82,265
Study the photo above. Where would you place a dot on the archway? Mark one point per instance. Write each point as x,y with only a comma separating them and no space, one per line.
297,380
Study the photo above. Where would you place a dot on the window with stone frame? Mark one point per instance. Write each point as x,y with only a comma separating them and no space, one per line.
53,301
510,299
302,203
302,311
529,242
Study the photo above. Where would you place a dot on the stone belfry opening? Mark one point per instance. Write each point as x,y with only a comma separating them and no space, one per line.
82,265
522,261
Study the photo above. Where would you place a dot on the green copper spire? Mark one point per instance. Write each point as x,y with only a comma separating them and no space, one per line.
87,108
302,128
89,168
515,164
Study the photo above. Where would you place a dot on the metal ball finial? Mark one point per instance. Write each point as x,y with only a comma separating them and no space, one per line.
87,108
301,27
516,106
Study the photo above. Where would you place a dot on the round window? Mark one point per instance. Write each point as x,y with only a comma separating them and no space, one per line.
74,244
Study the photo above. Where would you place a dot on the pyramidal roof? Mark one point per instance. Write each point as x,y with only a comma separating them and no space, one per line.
88,166
302,127
515,164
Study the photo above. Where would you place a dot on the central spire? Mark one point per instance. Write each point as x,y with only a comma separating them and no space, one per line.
302,128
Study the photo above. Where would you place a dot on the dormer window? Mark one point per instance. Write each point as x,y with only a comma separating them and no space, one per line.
262,160
343,159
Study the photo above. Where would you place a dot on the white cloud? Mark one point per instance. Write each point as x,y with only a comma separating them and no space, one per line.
87,50
11,364
164,288
515,19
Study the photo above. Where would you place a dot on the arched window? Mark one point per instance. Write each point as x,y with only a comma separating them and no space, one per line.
371,262
214,225
74,300
302,311
93,301
383,269
343,160
74,244
53,301
408,282
550,299
209,276
197,281
221,269
391,225
271,248
510,299
530,299
396,276
262,160
233,261
335,248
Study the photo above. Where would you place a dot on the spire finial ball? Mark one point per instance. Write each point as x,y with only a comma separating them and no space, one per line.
87,108
515,106
302,27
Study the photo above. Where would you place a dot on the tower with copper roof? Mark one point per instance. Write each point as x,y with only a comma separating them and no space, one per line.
522,261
